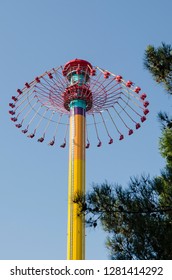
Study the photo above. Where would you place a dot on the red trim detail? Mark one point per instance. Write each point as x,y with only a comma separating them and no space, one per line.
14,119
25,131
146,111
37,80
76,92
63,145
143,119
31,135
121,137
27,85
12,105
51,143
18,125
130,132
106,75
129,84
146,103
93,72
138,125
11,112
143,96
75,64
118,78
87,146
41,139
110,141
99,144
19,91
50,75
14,98
137,89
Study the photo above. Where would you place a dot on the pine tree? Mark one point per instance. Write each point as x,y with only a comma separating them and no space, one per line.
158,61
138,217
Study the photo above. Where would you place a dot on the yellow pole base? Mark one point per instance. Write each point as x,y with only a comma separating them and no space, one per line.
76,183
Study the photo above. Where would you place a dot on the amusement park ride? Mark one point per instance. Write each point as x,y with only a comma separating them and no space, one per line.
78,96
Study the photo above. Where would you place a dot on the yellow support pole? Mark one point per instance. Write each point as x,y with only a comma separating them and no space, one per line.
76,181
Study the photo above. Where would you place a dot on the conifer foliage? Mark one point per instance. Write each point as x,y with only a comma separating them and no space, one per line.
138,217
158,61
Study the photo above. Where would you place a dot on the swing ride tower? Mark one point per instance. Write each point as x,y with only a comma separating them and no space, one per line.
75,97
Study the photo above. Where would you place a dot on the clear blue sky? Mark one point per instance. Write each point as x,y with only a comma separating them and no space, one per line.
37,35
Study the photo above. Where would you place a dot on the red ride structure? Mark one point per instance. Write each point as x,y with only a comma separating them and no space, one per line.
87,102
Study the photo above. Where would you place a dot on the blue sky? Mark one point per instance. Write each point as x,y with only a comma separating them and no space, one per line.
37,35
